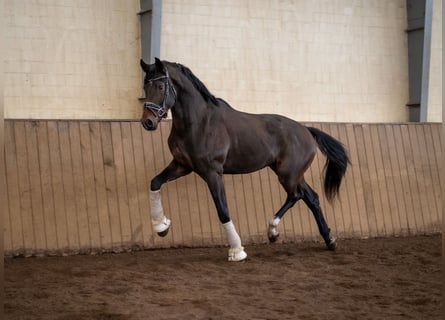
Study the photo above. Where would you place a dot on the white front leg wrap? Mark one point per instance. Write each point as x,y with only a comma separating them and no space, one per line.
232,236
158,219
236,251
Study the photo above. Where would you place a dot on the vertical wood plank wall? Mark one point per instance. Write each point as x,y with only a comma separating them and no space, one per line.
82,186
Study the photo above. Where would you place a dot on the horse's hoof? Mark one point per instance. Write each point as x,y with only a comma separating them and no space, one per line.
273,238
237,254
332,245
162,226
163,233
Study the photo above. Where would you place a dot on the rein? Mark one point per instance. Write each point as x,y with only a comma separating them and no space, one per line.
160,111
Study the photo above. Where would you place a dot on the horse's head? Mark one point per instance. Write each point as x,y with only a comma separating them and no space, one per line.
160,95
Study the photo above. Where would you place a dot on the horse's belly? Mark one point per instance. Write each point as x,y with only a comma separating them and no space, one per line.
242,170
245,164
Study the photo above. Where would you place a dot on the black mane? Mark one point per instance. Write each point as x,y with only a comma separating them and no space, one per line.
205,93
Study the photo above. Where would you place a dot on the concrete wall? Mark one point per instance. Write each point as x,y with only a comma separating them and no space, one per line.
310,60
72,59
82,186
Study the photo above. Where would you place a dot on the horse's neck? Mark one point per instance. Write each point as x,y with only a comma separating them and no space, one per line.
186,116
191,109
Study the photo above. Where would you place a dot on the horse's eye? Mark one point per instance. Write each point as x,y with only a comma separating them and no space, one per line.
161,87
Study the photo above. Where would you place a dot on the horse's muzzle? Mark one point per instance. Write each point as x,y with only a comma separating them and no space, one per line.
149,124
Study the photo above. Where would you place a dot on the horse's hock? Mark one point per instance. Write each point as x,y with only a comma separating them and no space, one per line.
81,186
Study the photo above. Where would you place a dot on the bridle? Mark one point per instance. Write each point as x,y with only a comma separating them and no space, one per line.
160,111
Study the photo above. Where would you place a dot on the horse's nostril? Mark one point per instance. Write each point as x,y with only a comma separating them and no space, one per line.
148,124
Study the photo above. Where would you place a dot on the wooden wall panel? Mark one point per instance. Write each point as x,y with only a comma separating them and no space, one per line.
83,186
111,185
81,210
117,174
14,211
44,163
89,184
98,169
347,197
142,228
360,221
24,187
428,134
67,178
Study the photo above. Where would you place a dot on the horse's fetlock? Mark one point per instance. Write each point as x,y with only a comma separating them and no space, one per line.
155,184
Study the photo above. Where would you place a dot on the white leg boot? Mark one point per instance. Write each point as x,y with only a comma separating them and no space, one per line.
160,222
237,254
236,251
273,233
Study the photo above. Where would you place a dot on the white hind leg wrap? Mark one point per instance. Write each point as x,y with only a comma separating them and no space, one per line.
273,224
158,219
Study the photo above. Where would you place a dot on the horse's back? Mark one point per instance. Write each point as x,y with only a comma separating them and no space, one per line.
291,135
285,132
260,140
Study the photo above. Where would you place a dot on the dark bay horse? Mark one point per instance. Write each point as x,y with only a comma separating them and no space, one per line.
211,138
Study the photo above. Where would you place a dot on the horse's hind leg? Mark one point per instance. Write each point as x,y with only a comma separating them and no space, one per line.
290,175
310,197
292,198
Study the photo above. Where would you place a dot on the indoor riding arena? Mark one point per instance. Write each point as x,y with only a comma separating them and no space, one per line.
78,236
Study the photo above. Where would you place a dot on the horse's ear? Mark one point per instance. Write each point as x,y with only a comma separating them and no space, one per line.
159,65
144,66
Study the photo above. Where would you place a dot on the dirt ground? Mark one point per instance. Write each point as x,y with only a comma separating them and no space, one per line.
395,278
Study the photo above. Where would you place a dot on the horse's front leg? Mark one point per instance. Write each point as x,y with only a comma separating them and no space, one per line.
216,186
160,222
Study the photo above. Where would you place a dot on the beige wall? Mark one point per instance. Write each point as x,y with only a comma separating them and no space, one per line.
311,60
435,81
72,59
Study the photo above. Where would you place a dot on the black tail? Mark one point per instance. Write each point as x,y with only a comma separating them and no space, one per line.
336,162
